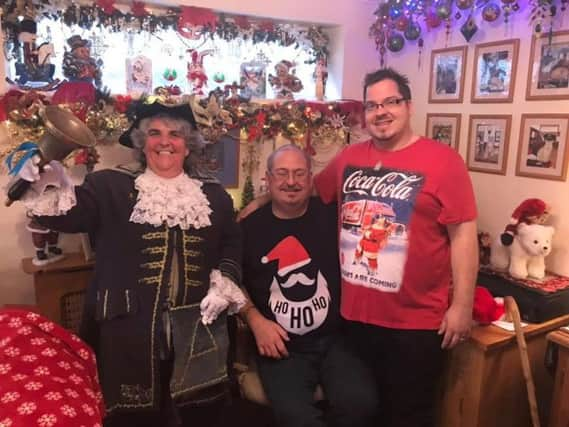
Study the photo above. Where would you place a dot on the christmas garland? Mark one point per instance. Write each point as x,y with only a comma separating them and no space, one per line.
190,22
303,122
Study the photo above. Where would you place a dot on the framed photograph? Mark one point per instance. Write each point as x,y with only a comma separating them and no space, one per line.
488,139
495,71
444,128
446,83
221,159
542,151
548,75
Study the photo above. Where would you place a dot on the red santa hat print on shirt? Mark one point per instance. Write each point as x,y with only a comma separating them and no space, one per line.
290,254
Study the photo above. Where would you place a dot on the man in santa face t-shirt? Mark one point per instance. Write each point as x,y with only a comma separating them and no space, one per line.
291,272
399,297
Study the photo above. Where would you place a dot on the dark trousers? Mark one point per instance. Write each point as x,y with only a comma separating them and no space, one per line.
351,397
407,366
168,414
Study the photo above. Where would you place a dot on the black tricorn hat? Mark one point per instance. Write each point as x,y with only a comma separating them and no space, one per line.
144,111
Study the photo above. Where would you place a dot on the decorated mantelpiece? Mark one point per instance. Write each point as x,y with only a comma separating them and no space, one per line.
316,126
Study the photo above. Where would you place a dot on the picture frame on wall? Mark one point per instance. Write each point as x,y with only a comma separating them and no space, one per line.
446,81
221,159
543,147
488,141
444,128
548,75
495,66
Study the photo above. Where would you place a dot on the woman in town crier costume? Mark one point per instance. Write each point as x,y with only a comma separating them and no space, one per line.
167,266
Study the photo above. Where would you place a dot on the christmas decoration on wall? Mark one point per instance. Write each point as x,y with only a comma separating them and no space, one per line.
78,65
139,75
285,82
401,21
321,76
33,68
253,79
196,71
191,23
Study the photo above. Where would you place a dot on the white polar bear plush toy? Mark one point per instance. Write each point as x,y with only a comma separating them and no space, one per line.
526,256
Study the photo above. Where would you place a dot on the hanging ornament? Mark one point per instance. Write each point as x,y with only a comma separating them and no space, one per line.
412,32
402,23
219,77
196,74
469,28
433,20
443,10
491,12
464,4
193,20
395,42
170,74
420,43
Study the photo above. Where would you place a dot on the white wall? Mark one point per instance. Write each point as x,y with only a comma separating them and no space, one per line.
497,195
353,55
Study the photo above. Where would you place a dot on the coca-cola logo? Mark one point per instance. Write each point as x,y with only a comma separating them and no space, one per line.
395,185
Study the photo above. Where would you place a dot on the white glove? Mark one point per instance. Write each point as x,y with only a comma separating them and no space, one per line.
211,306
54,175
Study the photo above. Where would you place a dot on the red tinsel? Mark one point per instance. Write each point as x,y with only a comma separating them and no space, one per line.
242,22
138,9
107,6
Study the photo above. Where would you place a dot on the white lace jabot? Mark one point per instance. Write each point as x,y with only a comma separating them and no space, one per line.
175,201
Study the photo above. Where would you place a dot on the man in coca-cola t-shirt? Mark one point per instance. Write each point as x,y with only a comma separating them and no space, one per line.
399,298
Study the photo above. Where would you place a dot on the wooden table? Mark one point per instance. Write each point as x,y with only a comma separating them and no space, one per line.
59,285
483,384
559,414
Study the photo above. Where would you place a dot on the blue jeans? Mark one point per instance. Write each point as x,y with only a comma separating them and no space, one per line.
349,387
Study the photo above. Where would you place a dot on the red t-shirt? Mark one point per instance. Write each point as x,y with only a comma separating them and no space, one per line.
415,192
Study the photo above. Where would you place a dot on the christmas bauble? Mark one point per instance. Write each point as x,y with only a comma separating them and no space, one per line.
443,10
413,31
170,74
395,42
464,4
491,12
433,21
402,23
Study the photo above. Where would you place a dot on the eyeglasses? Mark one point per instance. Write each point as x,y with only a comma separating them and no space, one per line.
389,104
284,174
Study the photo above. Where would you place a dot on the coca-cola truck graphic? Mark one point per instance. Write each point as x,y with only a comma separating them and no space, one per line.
359,214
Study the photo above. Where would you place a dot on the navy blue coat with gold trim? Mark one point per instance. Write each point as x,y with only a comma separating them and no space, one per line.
123,309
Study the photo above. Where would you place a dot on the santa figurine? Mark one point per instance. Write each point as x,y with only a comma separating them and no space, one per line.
285,82
530,211
45,242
